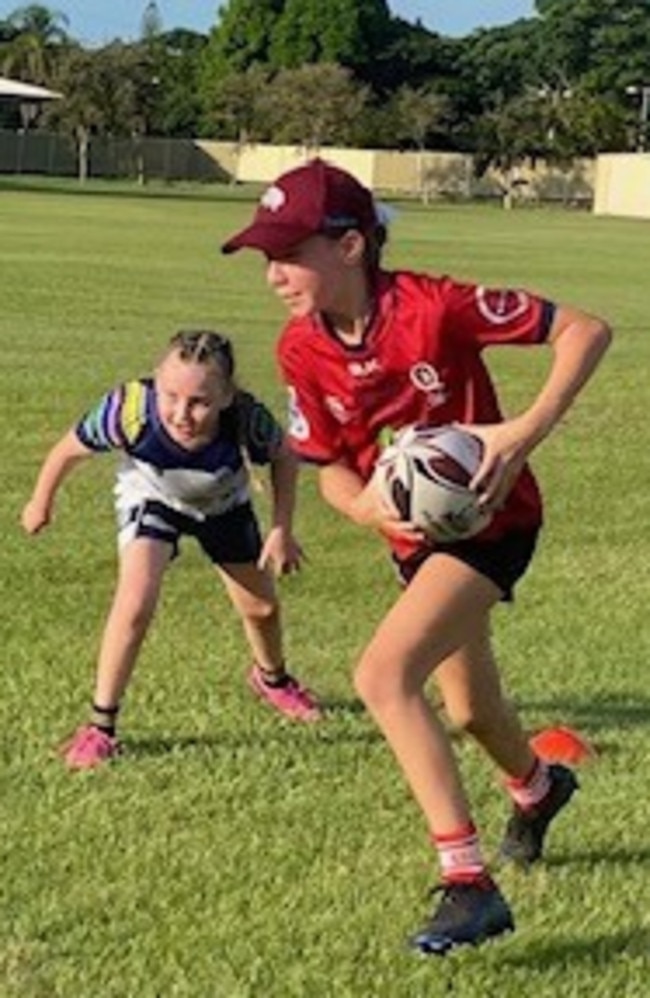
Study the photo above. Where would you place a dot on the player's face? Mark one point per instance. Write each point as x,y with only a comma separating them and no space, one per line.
318,275
190,397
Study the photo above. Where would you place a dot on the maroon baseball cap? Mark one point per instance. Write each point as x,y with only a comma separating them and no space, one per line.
315,198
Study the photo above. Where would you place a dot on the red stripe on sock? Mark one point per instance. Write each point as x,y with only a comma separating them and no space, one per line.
528,792
460,856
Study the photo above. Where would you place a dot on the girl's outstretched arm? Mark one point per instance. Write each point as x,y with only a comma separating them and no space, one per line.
62,458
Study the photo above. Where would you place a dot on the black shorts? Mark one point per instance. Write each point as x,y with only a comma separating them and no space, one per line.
503,560
232,537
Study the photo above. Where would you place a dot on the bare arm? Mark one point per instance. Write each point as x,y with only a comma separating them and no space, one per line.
346,491
341,488
578,341
280,547
63,457
284,479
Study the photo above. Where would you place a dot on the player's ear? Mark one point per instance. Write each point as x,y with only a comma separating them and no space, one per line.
353,245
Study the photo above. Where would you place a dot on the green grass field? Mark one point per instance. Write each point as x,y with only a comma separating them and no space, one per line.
230,854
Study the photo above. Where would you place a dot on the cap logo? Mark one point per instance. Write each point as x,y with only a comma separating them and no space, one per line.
273,198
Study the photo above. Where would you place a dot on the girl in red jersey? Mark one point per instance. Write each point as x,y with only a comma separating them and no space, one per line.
366,352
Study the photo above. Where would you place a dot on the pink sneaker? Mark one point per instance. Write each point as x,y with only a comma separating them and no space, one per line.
89,747
292,699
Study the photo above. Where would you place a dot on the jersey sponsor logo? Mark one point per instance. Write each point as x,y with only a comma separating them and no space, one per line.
273,198
364,368
426,379
337,408
298,424
500,306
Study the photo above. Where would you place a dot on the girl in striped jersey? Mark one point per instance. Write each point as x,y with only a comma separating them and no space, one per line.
186,438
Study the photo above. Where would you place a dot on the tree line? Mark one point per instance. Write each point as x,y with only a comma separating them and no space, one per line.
569,81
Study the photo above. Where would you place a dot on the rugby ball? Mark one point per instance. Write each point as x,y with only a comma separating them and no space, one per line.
425,475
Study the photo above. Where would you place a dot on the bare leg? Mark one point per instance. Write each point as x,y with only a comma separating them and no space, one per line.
141,570
252,593
471,690
445,603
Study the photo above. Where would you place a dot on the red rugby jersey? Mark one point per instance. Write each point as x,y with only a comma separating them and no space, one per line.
420,362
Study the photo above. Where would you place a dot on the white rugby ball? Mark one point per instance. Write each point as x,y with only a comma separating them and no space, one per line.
425,474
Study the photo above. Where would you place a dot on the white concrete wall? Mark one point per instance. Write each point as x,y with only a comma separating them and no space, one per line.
428,174
622,185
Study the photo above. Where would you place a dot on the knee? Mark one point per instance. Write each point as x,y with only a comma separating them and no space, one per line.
379,684
463,720
470,719
259,612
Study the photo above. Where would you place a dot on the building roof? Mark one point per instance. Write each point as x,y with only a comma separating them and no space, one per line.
17,90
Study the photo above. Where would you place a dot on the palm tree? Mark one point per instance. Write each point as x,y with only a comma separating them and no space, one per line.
39,37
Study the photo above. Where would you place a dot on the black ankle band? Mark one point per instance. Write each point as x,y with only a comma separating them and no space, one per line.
276,679
111,711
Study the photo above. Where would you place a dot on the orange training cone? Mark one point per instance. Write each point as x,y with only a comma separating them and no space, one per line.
562,744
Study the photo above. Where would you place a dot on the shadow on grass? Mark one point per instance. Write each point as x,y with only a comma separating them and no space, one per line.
622,711
342,708
213,191
263,738
634,858
601,951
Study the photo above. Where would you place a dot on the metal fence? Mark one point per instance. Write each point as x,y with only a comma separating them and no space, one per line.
137,158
